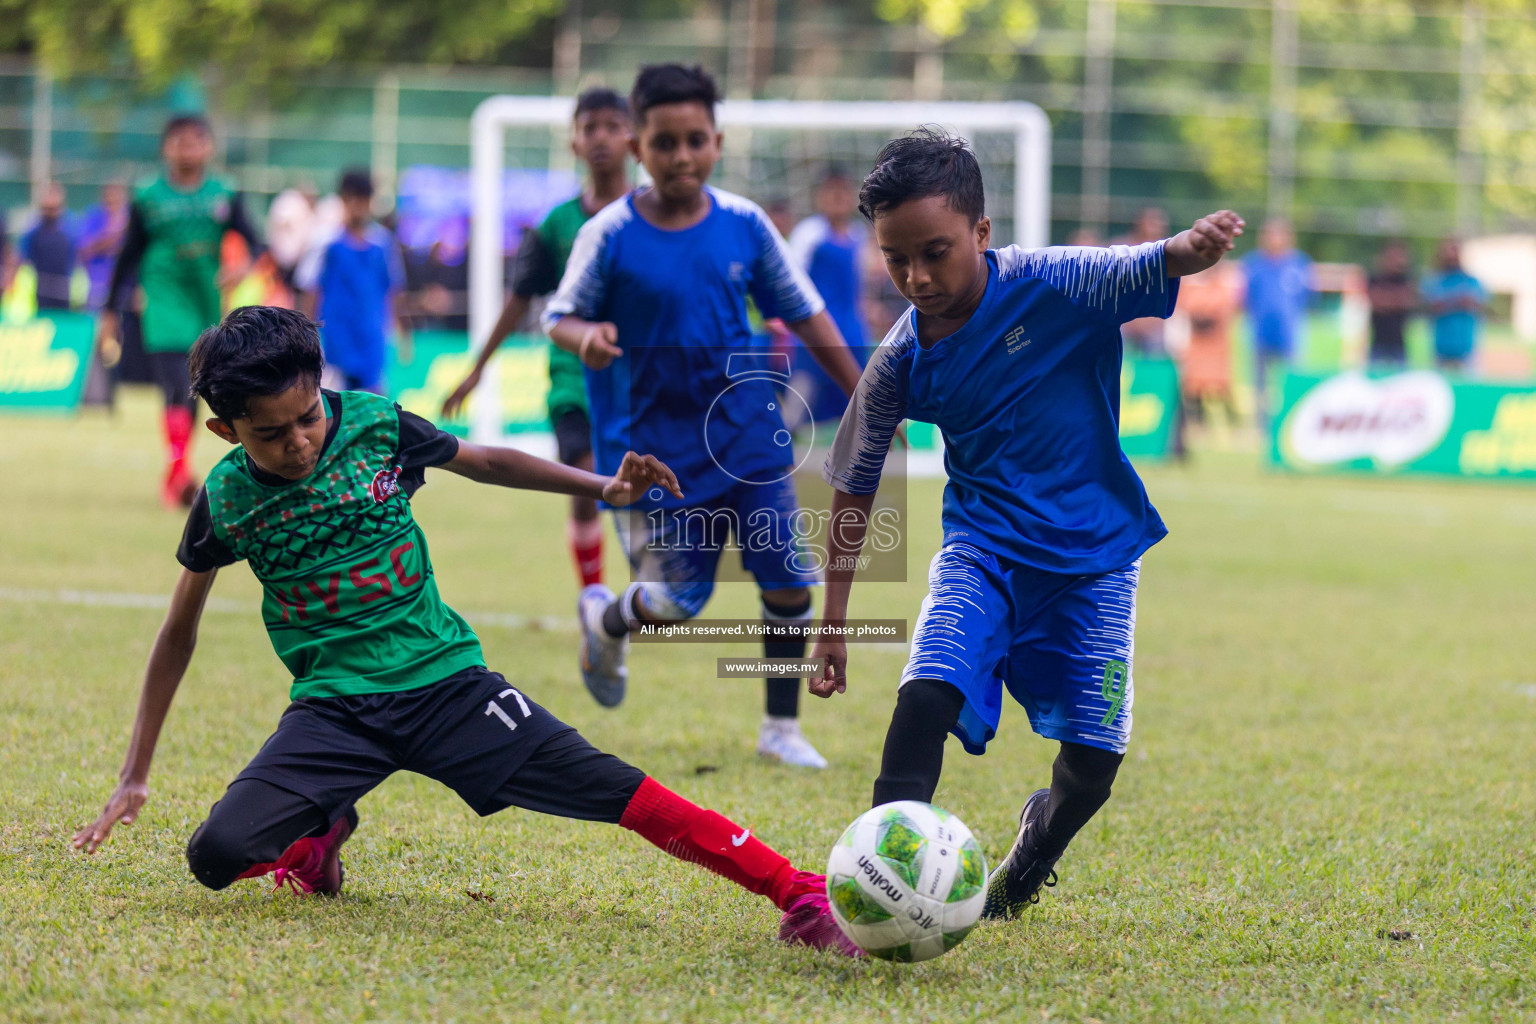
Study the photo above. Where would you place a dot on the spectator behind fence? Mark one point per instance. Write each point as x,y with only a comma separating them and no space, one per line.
1211,301
1144,336
101,236
1456,302
1279,286
292,221
353,287
49,246
1393,297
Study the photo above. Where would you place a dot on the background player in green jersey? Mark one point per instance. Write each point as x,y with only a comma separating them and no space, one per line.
386,677
176,225
600,134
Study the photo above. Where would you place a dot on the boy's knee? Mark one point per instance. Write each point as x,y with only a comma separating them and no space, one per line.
1091,770
215,856
674,602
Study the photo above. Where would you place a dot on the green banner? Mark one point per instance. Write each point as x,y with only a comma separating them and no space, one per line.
439,360
1414,422
1149,403
43,361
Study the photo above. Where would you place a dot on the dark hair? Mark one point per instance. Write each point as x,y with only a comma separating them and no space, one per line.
254,352
658,84
599,98
928,162
181,122
356,181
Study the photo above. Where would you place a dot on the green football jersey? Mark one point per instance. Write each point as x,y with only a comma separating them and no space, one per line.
180,265
349,599
541,263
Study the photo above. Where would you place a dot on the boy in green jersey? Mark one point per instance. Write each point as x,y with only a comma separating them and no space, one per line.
176,226
386,677
600,134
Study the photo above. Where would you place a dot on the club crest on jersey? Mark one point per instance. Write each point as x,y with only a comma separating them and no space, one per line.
385,485
1015,340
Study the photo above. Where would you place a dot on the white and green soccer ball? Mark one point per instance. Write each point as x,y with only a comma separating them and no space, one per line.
907,881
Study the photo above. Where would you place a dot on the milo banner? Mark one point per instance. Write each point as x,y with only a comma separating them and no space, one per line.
1414,422
1149,402
439,360
43,360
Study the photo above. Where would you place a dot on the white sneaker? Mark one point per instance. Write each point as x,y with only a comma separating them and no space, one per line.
602,656
780,739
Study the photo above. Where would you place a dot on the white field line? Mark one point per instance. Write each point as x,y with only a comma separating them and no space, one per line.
217,605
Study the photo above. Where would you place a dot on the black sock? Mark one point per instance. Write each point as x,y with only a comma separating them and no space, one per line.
615,622
1080,782
926,710
784,637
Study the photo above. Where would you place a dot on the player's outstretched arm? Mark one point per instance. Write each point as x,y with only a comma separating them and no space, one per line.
595,344
825,343
168,661
508,467
1203,244
845,540
511,315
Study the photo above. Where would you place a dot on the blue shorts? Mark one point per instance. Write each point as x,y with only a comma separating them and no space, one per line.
1062,645
674,552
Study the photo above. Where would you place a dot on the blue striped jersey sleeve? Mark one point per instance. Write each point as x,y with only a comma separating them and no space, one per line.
1117,282
878,406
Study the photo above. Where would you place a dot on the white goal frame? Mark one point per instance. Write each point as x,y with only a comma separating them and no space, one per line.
1027,123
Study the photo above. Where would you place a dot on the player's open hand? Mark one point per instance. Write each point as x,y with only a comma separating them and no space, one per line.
636,473
123,806
833,654
599,345
1207,241
454,402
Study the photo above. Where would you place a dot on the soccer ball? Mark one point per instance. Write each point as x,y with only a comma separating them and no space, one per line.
907,881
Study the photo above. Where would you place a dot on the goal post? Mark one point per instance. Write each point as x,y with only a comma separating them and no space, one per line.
1027,187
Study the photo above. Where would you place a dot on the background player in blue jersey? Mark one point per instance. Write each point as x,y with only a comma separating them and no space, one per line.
1015,355
830,248
653,300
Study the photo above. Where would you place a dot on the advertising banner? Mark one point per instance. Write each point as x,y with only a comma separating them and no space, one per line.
1418,421
43,360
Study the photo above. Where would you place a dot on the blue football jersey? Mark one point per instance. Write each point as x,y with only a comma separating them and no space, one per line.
692,388
1027,396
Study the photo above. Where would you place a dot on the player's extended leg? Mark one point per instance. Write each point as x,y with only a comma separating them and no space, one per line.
926,711
567,776
1071,668
259,828
786,617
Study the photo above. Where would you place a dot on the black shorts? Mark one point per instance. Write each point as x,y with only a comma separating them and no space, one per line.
573,435
472,732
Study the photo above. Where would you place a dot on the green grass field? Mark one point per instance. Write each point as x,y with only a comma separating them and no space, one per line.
1335,696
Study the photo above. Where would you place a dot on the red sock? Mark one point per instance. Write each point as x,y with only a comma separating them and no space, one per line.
178,432
689,832
585,537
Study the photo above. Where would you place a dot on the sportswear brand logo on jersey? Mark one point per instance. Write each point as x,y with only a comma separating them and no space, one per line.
1015,339
878,880
386,484
738,840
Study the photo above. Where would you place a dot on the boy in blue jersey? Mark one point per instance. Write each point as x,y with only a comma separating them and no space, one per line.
653,300
353,286
1015,355
830,247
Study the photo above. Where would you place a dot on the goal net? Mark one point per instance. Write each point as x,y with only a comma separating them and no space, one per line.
775,152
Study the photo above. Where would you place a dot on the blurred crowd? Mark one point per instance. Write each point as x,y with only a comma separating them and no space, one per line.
332,257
